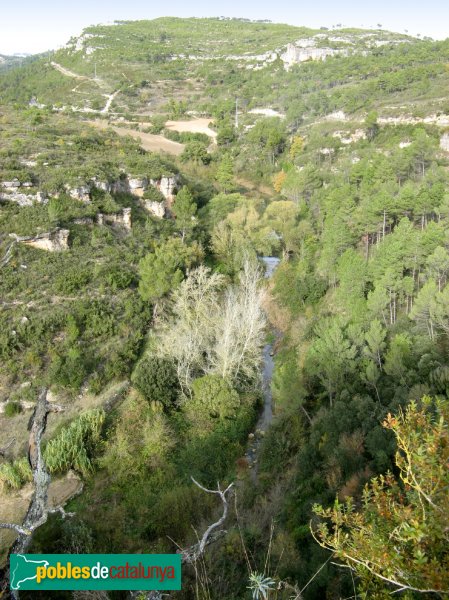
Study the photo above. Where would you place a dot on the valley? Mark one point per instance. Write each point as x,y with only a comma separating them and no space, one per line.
224,257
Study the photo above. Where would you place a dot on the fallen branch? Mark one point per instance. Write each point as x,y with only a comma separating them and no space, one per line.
193,553
38,511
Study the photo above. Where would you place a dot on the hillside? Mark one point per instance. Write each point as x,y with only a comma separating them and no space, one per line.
146,170
152,62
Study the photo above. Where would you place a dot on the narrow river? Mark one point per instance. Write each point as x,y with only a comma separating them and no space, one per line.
266,416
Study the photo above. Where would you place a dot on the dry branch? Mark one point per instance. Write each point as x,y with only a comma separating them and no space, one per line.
38,510
193,553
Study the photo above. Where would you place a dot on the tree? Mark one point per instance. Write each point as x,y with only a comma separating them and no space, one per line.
240,329
375,342
401,533
156,380
296,147
213,400
278,181
163,270
438,265
371,125
269,134
329,365
185,209
196,152
225,173
187,336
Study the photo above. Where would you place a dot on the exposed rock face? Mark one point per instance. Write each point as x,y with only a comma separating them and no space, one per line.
53,241
444,142
347,137
155,208
296,54
83,221
138,185
11,185
123,218
167,186
25,199
81,193
101,185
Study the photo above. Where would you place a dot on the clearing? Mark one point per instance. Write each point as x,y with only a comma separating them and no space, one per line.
148,141
197,125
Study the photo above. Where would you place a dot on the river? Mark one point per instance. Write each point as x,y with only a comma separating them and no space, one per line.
266,415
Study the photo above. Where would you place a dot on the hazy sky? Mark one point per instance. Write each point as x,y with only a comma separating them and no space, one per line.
35,26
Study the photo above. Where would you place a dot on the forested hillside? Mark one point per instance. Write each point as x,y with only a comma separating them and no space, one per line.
132,288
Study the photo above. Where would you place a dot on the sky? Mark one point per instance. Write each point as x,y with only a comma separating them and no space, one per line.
31,26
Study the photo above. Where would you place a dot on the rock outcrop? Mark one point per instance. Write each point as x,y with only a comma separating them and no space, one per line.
444,142
155,208
296,54
25,199
123,219
138,185
167,186
11,191
81,192
52,241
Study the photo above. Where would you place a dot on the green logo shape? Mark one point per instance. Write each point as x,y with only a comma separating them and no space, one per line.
95,571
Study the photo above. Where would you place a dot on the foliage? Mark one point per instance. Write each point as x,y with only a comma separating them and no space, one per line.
13,475
400,533
163,270
12,408
213,399
156,379
74,446
260,585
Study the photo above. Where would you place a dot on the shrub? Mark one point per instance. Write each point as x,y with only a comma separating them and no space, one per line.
213,401
14,475
12,408
156,379
74,446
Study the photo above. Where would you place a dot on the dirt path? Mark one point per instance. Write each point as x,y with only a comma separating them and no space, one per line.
67,72
148,141
110,99
84,78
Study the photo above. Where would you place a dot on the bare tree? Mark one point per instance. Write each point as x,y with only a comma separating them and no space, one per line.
240,328
188,333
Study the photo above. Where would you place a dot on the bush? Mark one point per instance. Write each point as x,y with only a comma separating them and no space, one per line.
14,475
69,370
12,408
73,447
156,379
70,281
213,401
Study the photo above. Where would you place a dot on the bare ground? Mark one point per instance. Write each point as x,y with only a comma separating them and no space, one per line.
197,125
148,141
13,506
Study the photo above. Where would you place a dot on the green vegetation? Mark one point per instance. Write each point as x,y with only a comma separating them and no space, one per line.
356,207
401,533
71,448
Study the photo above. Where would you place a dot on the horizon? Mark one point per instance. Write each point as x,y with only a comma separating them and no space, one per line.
46,27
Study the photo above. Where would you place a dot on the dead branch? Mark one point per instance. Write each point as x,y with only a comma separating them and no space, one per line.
38,510
193,553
